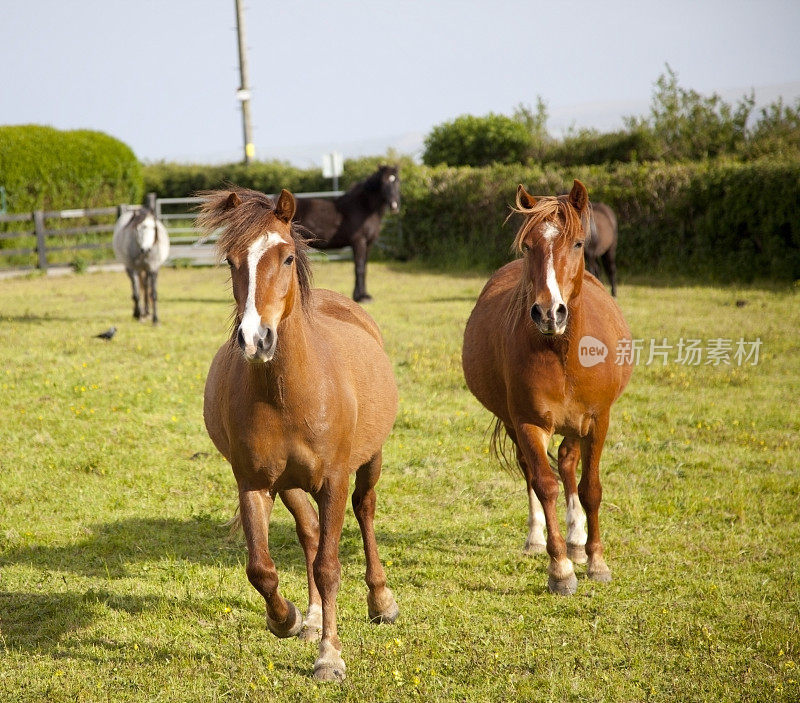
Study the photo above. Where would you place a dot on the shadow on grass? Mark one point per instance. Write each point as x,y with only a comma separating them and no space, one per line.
114,549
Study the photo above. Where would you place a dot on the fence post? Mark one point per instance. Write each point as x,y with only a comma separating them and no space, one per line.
38,226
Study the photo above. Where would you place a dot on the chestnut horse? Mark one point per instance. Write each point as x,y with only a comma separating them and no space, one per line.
300,396
602,244
539,353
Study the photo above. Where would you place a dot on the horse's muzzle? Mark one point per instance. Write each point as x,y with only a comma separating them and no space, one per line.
552,322
261,347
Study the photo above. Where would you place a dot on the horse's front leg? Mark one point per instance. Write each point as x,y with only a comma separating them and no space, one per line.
381,605
568,455
153,279
144,284
255,507
591,493
307,526
360,252
332,500
533,441
137,310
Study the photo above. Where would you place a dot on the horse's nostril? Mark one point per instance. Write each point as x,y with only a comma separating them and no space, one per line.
240,338
561,314
536,313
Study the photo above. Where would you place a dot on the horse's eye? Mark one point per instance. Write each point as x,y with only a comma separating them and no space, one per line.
229,261
578,245
525,248
289,260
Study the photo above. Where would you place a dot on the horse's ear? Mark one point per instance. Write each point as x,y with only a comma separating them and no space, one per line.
233,201
525,200
285,208
578,196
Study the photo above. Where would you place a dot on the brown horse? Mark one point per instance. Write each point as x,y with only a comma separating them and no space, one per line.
300,396
536,353
602,244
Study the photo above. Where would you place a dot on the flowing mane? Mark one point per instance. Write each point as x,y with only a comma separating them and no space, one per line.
551,207
240,226
555,208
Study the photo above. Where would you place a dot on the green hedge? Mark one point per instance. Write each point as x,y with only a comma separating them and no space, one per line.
46,168
724,220
727,220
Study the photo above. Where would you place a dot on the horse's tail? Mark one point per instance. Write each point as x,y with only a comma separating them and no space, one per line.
498,448
234,525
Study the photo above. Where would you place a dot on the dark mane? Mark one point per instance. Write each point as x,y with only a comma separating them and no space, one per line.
139,216
241,225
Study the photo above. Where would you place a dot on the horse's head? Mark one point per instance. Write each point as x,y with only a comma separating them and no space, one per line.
266,256
551,240
390,186
143,223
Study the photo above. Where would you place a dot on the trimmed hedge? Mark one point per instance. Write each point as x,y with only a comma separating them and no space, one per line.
723,220
50,169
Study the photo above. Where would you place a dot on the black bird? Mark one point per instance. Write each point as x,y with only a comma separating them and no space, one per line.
108,334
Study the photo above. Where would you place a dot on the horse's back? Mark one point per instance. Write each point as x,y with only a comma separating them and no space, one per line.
321,218
121,238
604,233
334,306
482,350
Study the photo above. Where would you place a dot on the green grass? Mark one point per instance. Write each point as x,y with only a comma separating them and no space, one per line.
117,581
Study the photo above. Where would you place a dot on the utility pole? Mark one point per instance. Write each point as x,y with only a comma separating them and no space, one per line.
243,94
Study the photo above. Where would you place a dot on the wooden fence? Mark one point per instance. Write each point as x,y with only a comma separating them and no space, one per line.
177,214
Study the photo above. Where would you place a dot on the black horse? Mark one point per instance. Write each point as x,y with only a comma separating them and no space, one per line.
602,244
353,219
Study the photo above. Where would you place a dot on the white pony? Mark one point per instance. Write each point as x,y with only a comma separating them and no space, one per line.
141,244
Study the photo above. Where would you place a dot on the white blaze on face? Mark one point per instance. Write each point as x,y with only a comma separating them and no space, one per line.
251,326
550,233
146,233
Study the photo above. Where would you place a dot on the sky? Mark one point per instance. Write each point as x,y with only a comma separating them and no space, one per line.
361,77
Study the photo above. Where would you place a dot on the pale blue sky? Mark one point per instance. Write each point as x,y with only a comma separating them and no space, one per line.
361,76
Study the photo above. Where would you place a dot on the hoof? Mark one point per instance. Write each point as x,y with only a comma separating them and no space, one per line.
366,298
310,633
598,569
534,548
563,587
289,627
383,608
325,671
386,617
600,575
577,553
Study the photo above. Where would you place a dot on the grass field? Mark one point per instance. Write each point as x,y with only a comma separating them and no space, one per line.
118,582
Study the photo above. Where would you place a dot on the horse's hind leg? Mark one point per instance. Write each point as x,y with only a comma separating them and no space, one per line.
568,455
381,604
591,493
255,507
610,265
137,309
360,253
307,526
